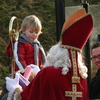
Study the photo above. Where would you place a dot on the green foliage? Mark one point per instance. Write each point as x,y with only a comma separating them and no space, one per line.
43,9
3,73
78,2
4,60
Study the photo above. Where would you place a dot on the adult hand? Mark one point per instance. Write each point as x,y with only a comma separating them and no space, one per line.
12,84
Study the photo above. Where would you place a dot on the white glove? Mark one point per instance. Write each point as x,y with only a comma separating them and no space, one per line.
35,69
12,84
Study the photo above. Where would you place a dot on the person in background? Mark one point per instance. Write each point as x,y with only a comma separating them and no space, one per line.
27,50
94,85
63,76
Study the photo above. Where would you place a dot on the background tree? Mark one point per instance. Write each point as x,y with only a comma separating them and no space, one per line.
43,9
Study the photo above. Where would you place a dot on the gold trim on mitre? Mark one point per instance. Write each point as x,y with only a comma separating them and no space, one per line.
72,18
79,18
70,47
67,46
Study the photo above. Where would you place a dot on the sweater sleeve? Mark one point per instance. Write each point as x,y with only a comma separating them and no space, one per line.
8,50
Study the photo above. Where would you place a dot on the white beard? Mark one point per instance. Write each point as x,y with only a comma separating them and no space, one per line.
58,57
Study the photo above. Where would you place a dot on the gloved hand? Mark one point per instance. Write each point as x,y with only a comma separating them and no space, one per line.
13,87
35,69
12,84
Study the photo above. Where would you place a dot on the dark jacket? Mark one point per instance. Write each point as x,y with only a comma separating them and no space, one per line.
94,86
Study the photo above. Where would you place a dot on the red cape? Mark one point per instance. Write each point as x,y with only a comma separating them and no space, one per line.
50,84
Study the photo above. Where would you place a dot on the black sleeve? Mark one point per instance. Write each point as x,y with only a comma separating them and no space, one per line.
94,87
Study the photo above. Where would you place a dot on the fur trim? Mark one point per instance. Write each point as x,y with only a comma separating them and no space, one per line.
16,58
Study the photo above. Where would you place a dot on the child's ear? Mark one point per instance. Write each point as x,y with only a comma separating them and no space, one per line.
23,31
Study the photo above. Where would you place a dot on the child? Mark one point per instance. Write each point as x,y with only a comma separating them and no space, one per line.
27,50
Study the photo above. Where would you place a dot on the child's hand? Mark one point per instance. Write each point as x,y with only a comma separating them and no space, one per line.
35,69
31,78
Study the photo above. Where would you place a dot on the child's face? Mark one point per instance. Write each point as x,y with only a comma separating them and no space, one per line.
31,34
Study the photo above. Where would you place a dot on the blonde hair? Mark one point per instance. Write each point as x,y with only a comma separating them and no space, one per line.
31,21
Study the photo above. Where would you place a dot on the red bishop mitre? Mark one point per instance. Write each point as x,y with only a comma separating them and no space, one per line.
75,33
76,30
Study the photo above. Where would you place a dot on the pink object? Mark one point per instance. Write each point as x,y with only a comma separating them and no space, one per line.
27,72
23,81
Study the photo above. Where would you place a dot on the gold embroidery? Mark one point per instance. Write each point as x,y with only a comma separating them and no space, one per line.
70,47
75,78
74,94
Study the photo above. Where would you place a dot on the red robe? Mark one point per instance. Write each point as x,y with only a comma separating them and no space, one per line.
50,84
